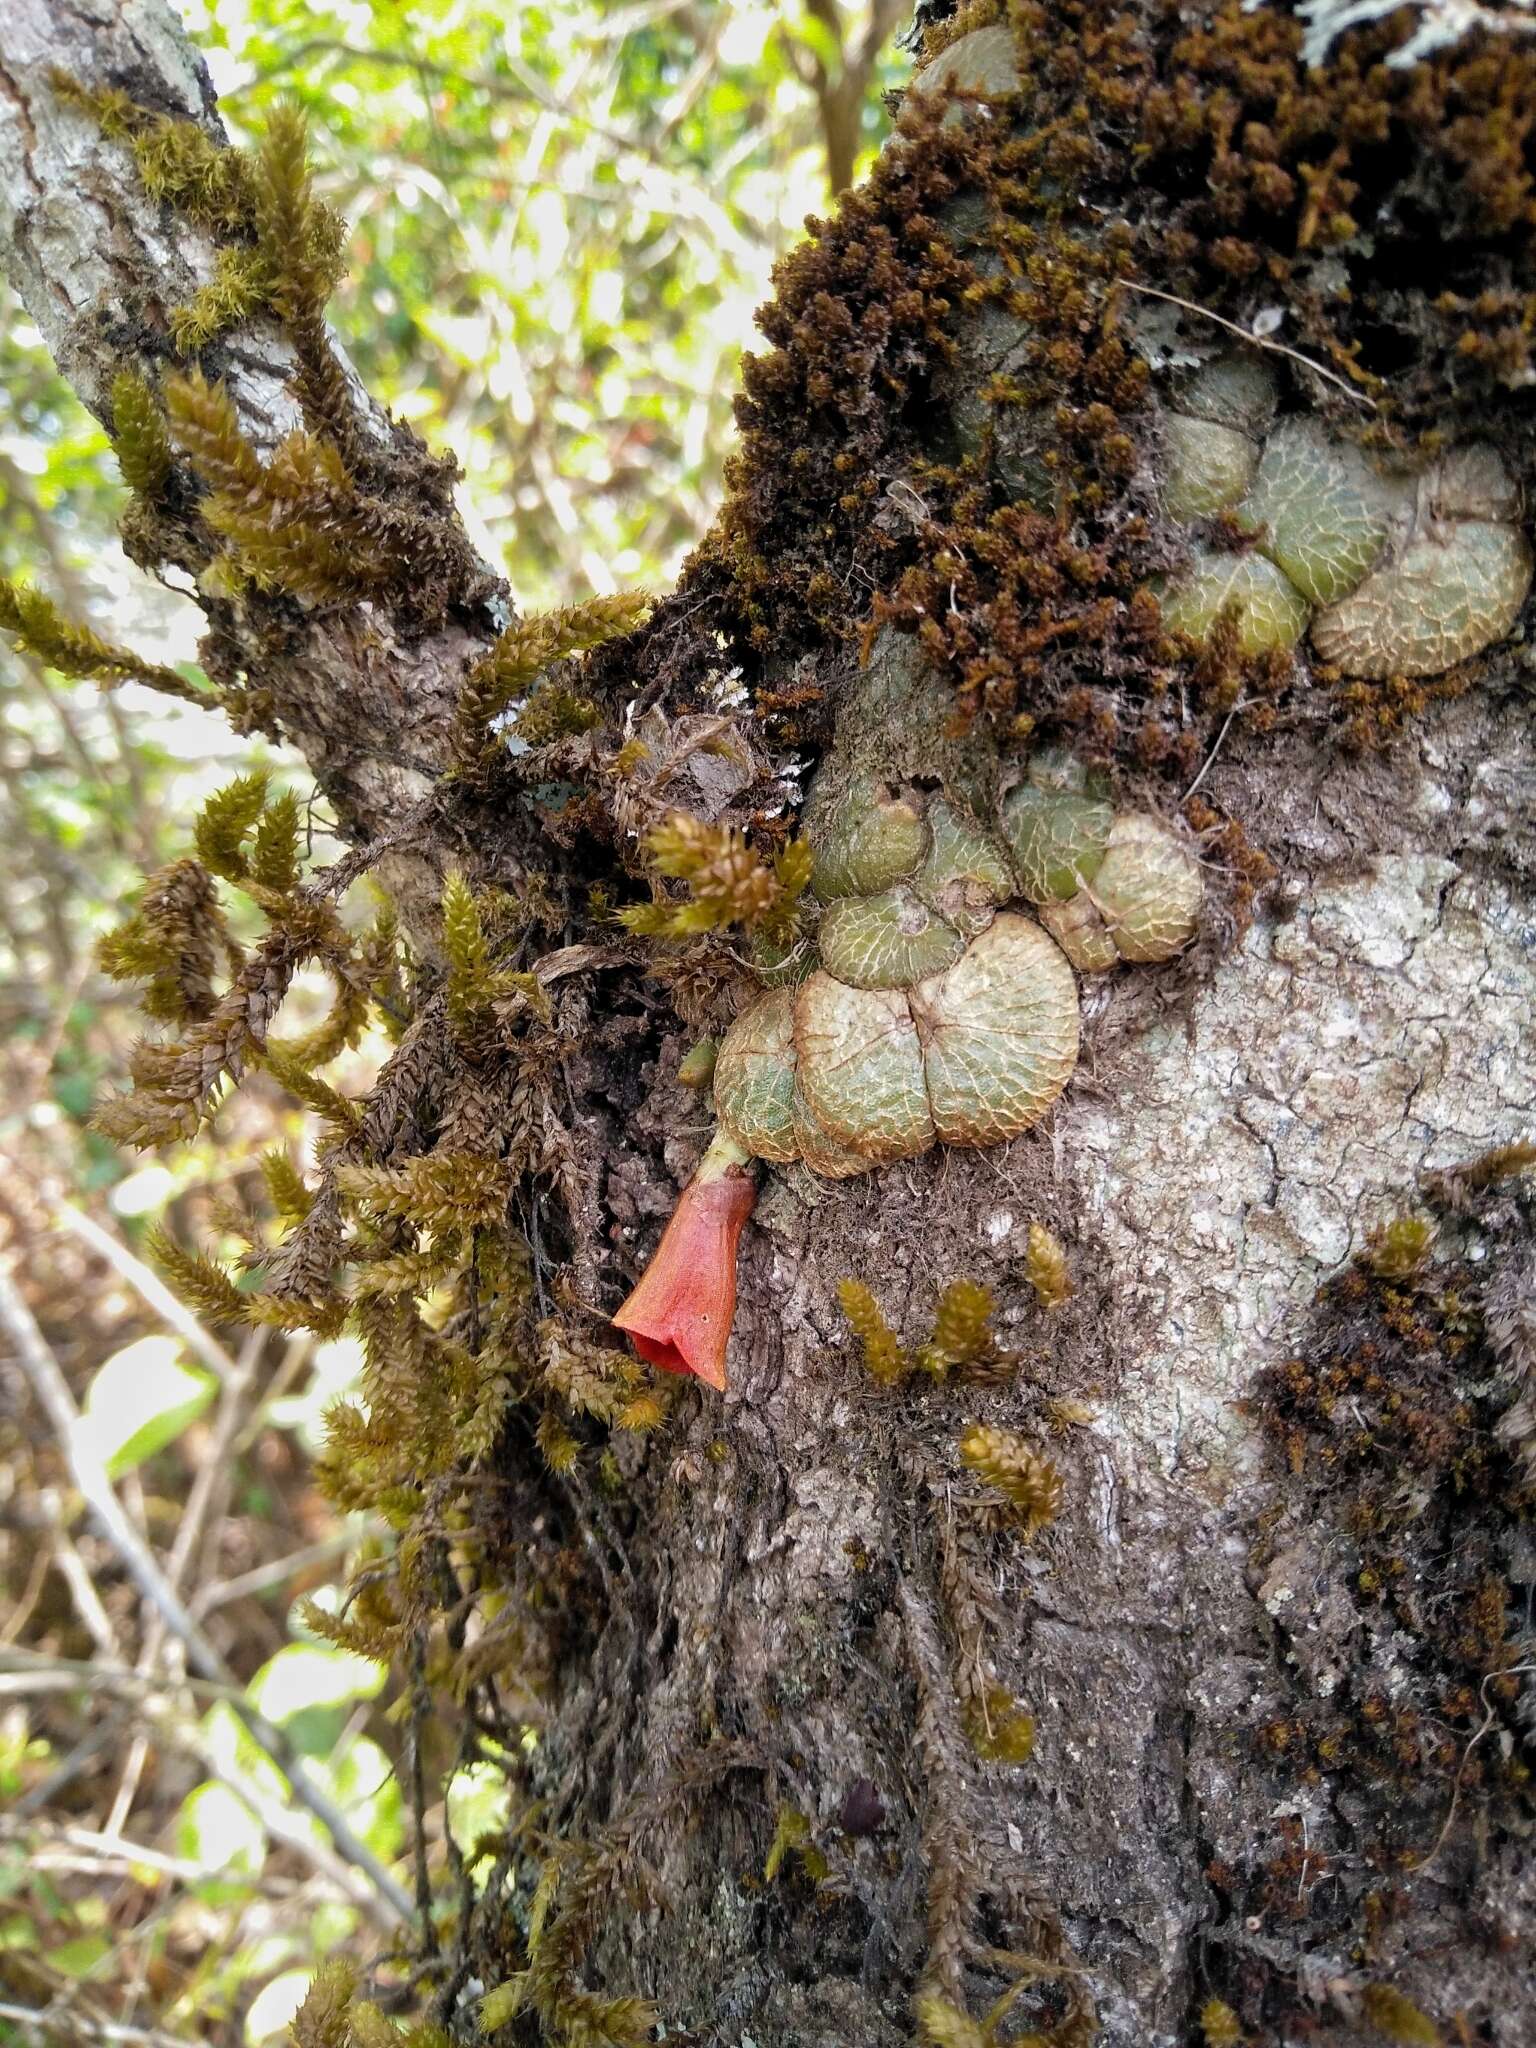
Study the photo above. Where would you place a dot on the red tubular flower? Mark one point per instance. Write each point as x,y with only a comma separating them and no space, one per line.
679,1316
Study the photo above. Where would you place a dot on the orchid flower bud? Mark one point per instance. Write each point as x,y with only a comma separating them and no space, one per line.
679,1315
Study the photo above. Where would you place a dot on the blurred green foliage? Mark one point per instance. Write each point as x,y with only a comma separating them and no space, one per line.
563,218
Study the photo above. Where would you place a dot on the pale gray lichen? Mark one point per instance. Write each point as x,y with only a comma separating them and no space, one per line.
1442,23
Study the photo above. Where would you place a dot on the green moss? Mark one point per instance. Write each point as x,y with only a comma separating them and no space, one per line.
140,438
41,629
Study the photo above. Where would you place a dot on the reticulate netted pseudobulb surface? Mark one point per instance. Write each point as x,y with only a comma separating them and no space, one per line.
937,1015
1394,570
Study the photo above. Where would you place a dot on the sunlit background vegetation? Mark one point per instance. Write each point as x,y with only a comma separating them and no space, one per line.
562,220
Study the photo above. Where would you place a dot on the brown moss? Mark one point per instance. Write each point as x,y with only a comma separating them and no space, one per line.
1386,1554
1286,164
1204,159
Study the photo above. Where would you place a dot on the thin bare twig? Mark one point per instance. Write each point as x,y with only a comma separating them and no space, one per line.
210,1485
1278,348
26,1672
60,1846
1490,1715
293,1361
261,1578
1210,758
39,2024
147,1284
72,1569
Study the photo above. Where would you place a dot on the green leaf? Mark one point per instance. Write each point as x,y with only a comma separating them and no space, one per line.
81,1957
217,1831
19,1932
303,1676
272,2009
142,1399
362,1782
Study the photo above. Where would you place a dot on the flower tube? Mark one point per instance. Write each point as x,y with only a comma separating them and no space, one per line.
679,1315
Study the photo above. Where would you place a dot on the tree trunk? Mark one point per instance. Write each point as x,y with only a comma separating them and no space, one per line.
1274,1642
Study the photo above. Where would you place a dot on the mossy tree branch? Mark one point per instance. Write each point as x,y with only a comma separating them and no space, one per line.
105,265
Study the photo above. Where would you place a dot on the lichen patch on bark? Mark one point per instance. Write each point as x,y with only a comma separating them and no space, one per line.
1381,1030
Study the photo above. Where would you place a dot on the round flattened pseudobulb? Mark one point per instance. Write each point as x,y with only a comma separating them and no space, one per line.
822,1153
873,840
999,1033
965,876
1320,511
1452,592
885,941
1056,841
1270,611
1081,933
1206,467
1148,890
861,1068
755,1078
1472,482
1235,391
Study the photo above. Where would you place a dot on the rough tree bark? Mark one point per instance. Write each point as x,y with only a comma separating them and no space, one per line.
782,1596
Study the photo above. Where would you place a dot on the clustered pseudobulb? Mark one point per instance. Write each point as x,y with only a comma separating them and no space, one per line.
1395,571
936,1014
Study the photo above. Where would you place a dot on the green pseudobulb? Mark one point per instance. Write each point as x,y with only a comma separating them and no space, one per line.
886,941
1056,840
932,1013
1396,572
965,875
1206,467
1320,511
1269,612
874,839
